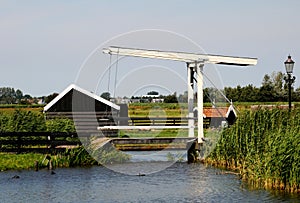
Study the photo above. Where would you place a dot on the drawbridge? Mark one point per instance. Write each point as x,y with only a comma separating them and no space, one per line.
195,64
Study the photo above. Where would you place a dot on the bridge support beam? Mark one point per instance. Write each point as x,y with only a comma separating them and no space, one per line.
200,101
190,81
198,68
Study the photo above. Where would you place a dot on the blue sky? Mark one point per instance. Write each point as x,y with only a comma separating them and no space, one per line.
43,44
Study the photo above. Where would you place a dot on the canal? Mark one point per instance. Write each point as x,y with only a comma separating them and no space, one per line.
178,182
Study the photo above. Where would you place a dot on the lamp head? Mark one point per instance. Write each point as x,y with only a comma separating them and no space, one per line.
289,65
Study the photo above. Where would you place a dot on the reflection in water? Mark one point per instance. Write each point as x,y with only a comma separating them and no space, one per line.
179,183
156,161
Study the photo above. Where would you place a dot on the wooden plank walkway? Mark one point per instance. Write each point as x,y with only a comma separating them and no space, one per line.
152,144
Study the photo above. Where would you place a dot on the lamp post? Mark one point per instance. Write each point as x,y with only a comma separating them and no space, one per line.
289,65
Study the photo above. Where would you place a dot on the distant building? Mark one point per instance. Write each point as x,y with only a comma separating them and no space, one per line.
135,100
41,101
157,100
150,96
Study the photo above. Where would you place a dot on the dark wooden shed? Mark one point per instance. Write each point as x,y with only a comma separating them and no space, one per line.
87,110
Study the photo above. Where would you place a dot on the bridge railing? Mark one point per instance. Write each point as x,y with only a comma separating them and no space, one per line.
157,121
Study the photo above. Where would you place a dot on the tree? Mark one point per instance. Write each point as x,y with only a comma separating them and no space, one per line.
27,96
106,95
266,91
172,98
50,97
267,80
183,98
248,94
278,83
231,93
7,95
152,93
19,94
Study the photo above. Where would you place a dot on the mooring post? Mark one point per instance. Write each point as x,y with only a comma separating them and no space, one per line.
36,165
49,165
192,151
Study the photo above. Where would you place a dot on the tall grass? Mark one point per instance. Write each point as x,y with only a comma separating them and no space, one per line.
70,158
264,146
10,161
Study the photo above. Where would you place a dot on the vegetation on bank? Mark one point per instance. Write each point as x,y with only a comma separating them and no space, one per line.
81,157
70,158
10,161
264,147
34,121
20,120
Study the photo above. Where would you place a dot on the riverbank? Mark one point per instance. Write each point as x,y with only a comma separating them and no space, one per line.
70,158
263,146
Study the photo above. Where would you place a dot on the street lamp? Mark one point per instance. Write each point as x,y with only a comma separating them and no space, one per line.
289,65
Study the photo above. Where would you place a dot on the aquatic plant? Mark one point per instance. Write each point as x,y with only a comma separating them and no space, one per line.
264,146
79,156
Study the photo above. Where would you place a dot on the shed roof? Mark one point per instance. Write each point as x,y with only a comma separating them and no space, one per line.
211,112
83,91
219,112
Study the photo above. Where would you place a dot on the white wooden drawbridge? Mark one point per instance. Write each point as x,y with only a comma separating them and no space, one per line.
195,63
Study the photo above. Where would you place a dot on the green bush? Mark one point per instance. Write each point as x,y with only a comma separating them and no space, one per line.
22,121
4,119
60,125
30,121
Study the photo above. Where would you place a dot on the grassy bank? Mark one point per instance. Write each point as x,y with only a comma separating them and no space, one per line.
264,147
70,158
10,161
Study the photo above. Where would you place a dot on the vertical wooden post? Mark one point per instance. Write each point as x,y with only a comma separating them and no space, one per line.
19,143
36,165
50,165
193,148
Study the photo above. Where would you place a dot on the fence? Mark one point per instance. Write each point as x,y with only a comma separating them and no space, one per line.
43,142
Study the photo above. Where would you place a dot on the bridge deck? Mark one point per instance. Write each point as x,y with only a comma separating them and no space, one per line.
146,127
146,144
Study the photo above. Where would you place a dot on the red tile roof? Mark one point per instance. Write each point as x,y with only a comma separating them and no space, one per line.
219,112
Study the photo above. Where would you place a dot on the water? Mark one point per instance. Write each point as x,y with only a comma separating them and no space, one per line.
180,182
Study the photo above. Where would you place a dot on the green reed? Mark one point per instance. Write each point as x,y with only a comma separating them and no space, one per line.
264,146
70,158
10,161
